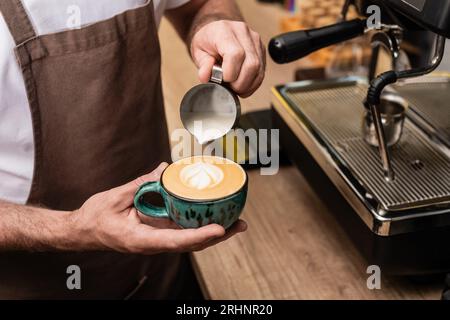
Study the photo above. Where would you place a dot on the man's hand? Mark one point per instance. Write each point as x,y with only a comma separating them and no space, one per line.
108,221
239,48
215,33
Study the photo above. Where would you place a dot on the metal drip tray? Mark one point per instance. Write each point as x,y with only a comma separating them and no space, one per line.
423,173
332,114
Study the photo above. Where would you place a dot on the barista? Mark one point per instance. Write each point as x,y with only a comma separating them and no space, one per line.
81,125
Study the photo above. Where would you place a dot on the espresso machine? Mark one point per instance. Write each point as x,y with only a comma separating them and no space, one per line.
379,143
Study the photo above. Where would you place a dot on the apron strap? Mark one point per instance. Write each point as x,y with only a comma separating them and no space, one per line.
17,19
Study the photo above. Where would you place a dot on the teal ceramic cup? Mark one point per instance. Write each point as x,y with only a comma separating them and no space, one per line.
188,213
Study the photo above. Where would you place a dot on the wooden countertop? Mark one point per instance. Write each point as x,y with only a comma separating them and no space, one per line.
294,248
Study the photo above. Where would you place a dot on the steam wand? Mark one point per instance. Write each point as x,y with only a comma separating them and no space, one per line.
374,99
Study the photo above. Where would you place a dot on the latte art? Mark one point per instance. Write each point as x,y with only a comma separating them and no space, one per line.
204,178
201,176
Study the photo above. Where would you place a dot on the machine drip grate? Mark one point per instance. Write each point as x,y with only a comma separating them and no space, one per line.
336,113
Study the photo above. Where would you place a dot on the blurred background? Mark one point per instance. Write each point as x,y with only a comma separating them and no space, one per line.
272,17
294,248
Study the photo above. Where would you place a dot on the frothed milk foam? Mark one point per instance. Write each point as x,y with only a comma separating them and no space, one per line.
204,178
201,176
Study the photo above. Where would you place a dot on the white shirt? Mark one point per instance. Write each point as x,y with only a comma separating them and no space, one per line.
16,132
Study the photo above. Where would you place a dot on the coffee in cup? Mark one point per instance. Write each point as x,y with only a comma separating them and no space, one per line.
198,191
204,178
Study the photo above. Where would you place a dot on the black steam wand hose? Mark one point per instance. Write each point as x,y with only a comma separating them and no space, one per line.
446,293
374,99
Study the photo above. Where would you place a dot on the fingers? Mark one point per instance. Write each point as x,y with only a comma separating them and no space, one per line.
252,66
155,175
262,71
206,63
238,227
150,241
161,223
262,48
233,56
248,88
241,50
122,196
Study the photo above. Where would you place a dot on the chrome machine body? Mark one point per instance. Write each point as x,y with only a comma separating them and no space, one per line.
400,193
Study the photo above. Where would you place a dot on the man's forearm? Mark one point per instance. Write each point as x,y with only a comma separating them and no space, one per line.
197,13
33,229
213,10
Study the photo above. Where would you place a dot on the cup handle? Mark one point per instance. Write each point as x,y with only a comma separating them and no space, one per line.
147,208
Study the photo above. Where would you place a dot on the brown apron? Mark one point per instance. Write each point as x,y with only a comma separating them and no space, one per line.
97,108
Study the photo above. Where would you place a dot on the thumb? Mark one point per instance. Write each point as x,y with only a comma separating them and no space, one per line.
155,175
127,191
205,65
